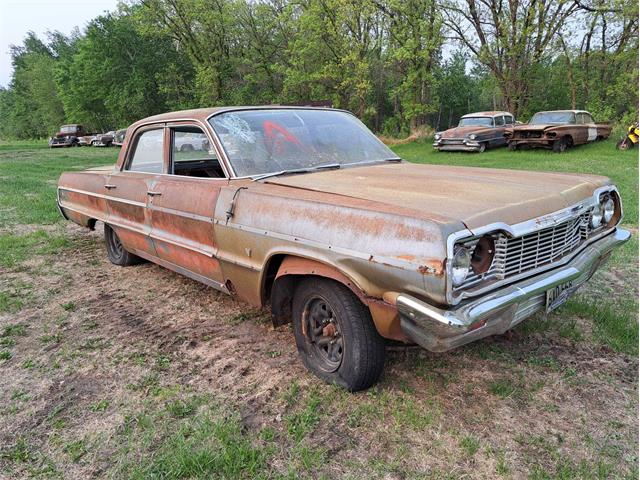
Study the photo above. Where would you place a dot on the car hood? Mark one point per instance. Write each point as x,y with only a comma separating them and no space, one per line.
535,128
462,132
474,196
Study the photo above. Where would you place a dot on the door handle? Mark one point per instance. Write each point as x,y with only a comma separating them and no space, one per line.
153,194
109,187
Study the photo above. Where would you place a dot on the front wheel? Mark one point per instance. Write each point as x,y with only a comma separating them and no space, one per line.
335,335
115,250
560,145
512,146
625,144
482,147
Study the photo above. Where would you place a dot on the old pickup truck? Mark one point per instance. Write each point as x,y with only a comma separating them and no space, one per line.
68,136
306,211
557,130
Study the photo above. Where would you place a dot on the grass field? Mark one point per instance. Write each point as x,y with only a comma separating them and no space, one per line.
141,373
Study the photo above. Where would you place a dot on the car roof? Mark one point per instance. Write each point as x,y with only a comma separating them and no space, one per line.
563,111
203,114
486,114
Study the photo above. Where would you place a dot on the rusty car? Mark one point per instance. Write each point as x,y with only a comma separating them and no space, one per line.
118,138
68,136
103,139
475,132
557,130
306,212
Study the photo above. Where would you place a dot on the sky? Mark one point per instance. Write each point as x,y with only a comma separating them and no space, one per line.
17,17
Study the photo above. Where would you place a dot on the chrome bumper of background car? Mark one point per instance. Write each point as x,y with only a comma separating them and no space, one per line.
462,146
439,330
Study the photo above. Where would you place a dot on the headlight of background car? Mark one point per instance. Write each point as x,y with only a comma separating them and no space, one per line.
460,265
437,136
608,209
472,136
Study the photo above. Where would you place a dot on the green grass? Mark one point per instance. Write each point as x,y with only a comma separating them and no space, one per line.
209,443
28,176
15,249
600,158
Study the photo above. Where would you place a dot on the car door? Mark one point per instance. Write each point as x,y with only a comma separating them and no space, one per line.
183,204
127,190
592,128
581,130
498,131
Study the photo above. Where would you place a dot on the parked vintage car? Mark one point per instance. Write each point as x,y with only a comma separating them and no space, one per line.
103,139
67,136
475,132
85,141
305,210
118,138
557,130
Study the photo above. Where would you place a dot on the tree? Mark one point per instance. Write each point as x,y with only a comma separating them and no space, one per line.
509,37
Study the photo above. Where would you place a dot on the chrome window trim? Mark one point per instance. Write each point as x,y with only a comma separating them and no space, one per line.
524,228
222,158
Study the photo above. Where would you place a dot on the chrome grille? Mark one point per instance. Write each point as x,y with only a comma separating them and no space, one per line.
536,249
517,255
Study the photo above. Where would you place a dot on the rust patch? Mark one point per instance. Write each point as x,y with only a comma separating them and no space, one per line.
432,267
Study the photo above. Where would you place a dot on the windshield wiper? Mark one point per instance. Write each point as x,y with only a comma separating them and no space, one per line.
296,170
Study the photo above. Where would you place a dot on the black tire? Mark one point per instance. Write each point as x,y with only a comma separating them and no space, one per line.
115,250
560,145
512,146
357,352
482,148
624,144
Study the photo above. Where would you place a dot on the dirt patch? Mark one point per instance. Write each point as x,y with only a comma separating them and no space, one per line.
101,343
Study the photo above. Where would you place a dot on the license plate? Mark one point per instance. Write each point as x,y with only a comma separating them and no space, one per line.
558,295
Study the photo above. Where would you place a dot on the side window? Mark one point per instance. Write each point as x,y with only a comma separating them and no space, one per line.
148,155
192,154
588,118
508,119
499,121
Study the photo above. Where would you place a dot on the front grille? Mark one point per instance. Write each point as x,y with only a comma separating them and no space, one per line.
528,134
517,255
451,141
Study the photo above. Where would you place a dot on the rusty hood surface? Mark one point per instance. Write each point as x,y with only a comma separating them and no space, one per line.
462,132
474,196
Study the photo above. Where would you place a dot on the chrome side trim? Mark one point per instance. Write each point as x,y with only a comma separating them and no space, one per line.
104,197
183,271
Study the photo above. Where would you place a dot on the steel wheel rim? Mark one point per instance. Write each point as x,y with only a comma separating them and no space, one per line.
116,244
322,331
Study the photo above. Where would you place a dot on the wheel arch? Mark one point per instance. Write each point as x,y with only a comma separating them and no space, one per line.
279,281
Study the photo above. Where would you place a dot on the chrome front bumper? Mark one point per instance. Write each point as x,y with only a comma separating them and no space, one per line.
439,330
461,146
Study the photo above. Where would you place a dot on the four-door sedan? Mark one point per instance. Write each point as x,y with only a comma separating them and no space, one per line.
557,130
305,210
475,132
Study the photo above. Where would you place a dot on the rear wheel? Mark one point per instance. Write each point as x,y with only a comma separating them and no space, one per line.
115,250
335,335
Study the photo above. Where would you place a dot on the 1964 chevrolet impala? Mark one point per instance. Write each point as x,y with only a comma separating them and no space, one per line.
306,210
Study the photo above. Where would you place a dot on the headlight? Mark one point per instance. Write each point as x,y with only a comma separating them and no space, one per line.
482,256
460,265
596,216
608,209
472,136
437,136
